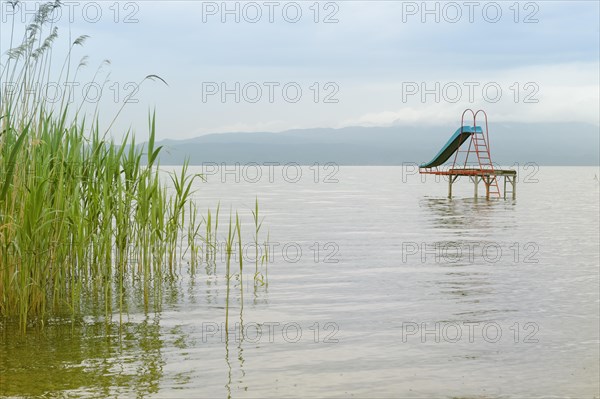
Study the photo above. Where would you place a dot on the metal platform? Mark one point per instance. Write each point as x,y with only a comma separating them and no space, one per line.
509,178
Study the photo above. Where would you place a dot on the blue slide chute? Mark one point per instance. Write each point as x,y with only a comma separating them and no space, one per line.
457,139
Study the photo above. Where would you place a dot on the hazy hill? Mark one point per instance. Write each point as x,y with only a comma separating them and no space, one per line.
543,143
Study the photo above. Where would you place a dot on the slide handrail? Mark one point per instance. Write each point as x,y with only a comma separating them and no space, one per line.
462,124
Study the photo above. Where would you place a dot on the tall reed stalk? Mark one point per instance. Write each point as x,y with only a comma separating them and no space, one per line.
238,229
228,252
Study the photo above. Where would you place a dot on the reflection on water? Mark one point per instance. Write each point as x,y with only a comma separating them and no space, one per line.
97,358
528,268
462,215
468,279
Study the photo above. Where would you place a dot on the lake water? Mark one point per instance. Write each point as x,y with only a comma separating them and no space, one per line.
378,286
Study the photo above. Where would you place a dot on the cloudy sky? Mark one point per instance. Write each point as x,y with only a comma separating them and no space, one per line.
273,66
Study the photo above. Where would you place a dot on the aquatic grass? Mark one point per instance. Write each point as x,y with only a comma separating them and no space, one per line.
238,229
258,277
217,226
210,238
83,217
182,183
192,234
228,251
66,217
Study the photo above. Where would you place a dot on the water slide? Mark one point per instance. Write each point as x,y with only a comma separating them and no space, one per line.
457,139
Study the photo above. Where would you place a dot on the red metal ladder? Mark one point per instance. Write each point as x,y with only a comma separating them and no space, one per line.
480,142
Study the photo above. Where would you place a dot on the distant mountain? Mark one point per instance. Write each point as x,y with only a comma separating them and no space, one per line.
543,143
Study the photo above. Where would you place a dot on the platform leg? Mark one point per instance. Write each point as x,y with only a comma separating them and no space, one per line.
450,186
514,187
476,184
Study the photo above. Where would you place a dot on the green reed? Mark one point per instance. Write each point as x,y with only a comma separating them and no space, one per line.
238,229
83,215
228,251
258,277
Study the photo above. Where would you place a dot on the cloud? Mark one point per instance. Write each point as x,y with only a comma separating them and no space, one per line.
371,53
544,93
